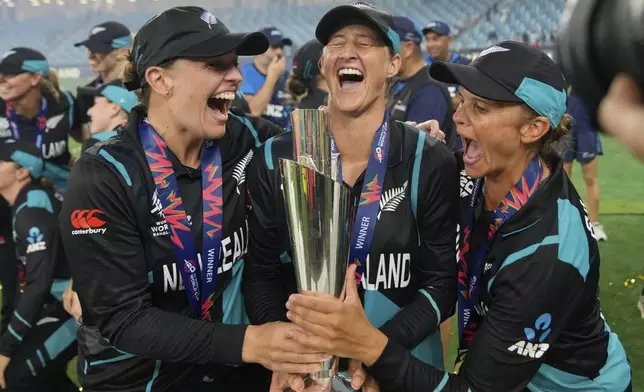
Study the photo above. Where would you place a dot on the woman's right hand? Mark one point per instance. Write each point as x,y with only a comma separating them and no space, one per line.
272,345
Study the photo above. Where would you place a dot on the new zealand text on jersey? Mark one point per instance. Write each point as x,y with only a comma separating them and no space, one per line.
393,272
233,248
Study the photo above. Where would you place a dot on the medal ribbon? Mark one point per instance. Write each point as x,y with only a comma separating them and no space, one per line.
469,276
200,291
41,121
367,213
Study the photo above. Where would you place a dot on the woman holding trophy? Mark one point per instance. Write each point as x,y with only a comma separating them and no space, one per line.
529,314
154,224
403,238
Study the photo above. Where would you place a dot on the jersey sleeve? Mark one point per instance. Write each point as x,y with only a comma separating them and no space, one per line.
263,285
429,104
37,229
107,258
518,329
525,318
438,212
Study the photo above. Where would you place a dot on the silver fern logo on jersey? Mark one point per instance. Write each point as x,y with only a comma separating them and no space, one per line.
391,199
239,173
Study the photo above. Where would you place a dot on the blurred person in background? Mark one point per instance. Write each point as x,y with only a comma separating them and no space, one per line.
406,180
32,109
41,338
621,114
306,84
415,95
523,228
437,42
585,148
104,46
264,80
163,198
112,106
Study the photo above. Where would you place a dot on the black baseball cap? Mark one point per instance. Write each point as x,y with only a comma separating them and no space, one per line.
276,37
25,154
306,61
342,15
407,30
21,60
106,37
511,72
188,32
438,27
114,91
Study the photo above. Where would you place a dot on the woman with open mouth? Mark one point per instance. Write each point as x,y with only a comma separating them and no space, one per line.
529,314
155,225
407,184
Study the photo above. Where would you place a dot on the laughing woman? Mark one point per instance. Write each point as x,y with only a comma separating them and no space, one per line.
409,194
144,208
529,316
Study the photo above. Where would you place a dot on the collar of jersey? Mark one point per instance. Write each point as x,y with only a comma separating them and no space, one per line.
540,204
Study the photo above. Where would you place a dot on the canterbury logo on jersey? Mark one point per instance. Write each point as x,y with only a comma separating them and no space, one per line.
239,173
233,248
391,199
392,272
87,222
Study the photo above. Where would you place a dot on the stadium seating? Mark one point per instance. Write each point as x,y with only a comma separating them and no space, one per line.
54,30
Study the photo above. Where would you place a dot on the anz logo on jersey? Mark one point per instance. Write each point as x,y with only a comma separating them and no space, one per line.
233,249
36,241
534,346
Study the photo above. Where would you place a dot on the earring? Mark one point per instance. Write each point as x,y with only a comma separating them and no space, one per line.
167,93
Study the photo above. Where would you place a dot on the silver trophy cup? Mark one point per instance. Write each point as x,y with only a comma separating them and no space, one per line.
320,214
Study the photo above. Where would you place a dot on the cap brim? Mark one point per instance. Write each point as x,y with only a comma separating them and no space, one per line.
96,47
473,80
337,18
88,91
244,44
11,69
287,42
431,29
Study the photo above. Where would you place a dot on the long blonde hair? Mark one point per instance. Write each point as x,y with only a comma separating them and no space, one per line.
50,84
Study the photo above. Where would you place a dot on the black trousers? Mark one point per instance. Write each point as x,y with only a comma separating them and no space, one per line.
40,363
8,268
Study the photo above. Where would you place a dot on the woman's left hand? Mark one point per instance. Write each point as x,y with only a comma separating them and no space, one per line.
337,327
432,127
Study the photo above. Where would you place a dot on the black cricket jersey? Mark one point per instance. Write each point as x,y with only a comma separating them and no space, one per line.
60,123
99,137
540,326
409,283
43,274
137,333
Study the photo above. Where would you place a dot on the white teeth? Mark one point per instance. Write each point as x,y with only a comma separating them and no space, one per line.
349,71
228,95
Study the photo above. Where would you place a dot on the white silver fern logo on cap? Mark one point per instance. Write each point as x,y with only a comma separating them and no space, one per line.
493,49
97,30
9,53
208,18
361,4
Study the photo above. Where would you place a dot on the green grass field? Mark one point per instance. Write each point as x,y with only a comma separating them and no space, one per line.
622,256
